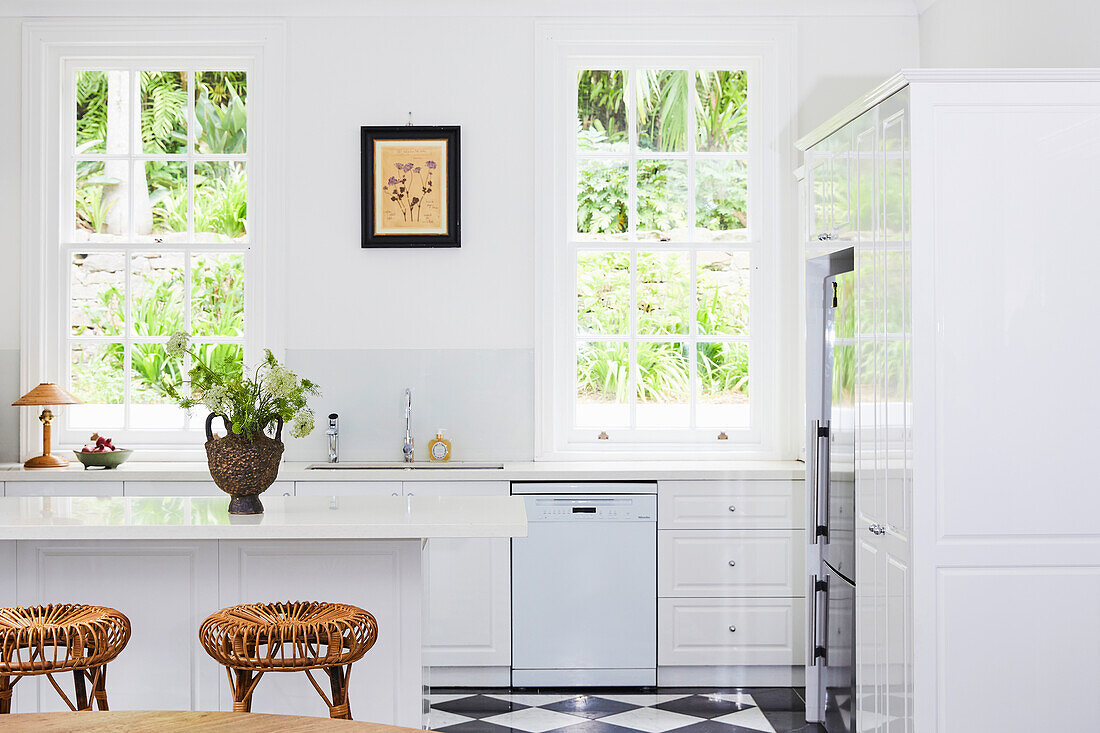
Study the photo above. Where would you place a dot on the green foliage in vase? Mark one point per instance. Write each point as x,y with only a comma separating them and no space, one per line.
252,403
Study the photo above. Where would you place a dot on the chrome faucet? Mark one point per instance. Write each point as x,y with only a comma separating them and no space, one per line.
333,434
407,449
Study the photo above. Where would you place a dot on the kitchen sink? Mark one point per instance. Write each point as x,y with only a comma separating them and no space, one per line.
399,466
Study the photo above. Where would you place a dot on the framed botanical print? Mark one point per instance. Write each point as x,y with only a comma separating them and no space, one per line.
410,186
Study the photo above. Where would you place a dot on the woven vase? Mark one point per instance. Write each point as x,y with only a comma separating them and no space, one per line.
243,468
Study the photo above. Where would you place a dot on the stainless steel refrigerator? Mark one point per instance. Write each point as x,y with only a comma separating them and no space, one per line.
830,477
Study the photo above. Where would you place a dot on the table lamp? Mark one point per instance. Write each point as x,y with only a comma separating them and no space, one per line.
44,394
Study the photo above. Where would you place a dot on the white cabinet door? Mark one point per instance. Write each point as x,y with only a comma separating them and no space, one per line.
347,488
469,589
884,432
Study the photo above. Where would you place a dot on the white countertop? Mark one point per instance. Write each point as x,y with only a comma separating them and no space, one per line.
285,517
512,471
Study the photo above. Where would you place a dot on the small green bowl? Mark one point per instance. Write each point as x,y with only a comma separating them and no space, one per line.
106,459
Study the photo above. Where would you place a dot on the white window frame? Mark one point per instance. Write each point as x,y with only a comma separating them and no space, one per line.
53,51
766,52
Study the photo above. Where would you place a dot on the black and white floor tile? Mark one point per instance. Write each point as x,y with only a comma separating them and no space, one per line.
770,709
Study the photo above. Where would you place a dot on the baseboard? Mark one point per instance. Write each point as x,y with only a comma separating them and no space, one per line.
470,677
756,676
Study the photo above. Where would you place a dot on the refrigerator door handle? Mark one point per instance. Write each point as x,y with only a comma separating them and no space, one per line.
825,447
811,638
822,650
815,475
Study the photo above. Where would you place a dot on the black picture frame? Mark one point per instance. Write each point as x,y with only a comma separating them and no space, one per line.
373,238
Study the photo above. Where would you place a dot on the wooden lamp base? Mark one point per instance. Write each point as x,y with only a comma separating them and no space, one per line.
47,461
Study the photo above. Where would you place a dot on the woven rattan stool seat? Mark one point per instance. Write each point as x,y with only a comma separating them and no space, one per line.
64,637
256,638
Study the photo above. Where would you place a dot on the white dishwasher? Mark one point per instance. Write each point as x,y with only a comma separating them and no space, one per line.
584,591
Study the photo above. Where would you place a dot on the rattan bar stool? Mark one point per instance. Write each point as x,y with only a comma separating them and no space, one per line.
64,637
256,638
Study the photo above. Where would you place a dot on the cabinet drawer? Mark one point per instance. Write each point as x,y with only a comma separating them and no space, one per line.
705,631
730,563
347,488
196,488
63,488
456,488
730,505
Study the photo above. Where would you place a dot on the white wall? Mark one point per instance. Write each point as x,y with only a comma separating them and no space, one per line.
473,70
1010,33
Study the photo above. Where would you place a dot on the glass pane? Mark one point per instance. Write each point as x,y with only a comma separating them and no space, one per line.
601,111
162,215
662,110
663,293
163,112
664,386
150,369
97,293
100,205
603,293
221,202
102,111
603,381
722,113
722,292
95,378
723,385
156,293
602,199
220,111
662,200
217,294
224,358
721,200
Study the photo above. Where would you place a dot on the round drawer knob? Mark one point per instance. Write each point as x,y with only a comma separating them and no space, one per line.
733,563
733,508
733,628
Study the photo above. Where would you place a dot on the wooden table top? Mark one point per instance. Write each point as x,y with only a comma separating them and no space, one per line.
154,721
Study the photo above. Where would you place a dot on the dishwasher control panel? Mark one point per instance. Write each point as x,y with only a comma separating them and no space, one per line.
636,508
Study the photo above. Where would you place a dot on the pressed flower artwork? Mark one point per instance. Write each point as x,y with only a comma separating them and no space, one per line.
410,187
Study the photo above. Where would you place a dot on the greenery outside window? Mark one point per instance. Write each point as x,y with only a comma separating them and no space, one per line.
154,238
664,246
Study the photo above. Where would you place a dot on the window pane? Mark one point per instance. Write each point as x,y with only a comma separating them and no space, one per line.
162,216
663,293
601,111
664,386
221,202
217,294
97,292
602,199
100,204
225,358
603,293
96,379
150,405
102,111
603,381
723,386
163,112
156,293
722,114
722,292
662,110
721,200
220,111
662,200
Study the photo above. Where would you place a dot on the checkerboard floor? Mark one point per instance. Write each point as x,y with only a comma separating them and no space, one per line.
738,710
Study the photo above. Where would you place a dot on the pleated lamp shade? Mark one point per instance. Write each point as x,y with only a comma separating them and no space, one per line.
46,393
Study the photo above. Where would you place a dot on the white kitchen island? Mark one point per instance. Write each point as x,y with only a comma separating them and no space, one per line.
168,562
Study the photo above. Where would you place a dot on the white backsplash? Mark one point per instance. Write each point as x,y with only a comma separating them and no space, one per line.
483,398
